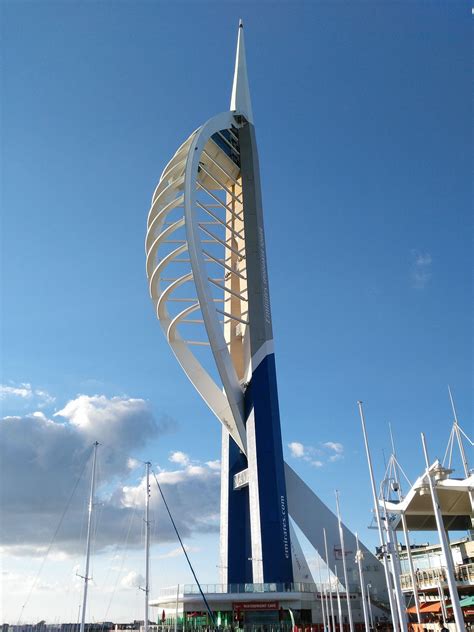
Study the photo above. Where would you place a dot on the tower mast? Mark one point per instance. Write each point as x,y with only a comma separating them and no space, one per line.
86,577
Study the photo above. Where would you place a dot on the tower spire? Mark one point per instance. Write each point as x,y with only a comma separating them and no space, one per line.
240,100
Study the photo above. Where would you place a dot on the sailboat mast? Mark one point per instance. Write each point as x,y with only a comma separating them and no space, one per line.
405,531
344,565
147,545
359,559
338,597
333,624
321,593
388,580
89,535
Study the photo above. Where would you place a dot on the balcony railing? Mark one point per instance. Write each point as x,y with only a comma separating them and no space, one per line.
223,589
432,577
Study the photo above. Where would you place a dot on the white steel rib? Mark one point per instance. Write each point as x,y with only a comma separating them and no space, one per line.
195,264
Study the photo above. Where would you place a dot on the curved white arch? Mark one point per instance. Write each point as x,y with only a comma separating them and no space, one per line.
176,192
232,386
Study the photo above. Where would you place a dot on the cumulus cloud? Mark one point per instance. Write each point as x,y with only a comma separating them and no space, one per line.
329,451
111,421
297,449
192,494
179,457
43,460
132,580
421,269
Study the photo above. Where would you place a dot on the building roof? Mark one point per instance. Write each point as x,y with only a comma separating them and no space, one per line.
454,496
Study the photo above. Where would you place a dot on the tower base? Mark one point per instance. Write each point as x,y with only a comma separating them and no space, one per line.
251,606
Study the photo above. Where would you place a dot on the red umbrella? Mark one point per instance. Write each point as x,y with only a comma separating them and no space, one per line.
163,616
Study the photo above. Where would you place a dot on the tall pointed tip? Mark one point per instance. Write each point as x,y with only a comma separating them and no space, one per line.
240,100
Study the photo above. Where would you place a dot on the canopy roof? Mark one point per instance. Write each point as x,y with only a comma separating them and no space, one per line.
429,607
454,501
467,602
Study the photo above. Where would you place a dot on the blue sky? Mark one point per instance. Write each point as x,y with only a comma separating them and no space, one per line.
363,116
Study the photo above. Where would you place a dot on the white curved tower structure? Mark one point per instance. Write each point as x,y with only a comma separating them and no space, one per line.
206,267
207,273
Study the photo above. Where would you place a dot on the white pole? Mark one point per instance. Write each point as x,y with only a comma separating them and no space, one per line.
442,602
333,625
326,601
414,580
344,565
458,617
370,606
339,608
147,545
359,558
176,613
392,547
393,609
321,591
89,536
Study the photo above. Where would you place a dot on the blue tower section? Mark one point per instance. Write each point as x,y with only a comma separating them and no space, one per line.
257,515
239,549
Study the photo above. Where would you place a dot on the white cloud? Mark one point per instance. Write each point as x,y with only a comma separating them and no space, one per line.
192,494
421,269
26,392
132,580
23,390
329,452
57,452
17,583
214,465
179,457
297,449
112,421
178,551
338,448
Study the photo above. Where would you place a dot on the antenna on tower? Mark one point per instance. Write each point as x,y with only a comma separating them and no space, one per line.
240,100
